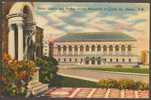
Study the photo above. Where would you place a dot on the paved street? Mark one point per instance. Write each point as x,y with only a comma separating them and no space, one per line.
94,93
94,75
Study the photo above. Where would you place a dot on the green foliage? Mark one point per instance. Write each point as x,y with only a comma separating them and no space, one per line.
16,75
119,69
126,84
123,84
48,68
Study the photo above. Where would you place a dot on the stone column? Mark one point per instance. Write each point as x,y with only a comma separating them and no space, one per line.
61,50
113,52
96,52
107,51
78,50
67,50
73,52
126,50
11,42
20,41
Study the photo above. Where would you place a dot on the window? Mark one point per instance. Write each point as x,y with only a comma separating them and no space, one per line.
59,48
81,60
110,60
123,48
75,48
116,48
123,60
87,60
81,48
70,60
75,59
64,59
98,48
59,60
110,48
70,48
87,48
104,48
64,48
93,48
93,61
99,61
129,60
129,47
105,60
116,60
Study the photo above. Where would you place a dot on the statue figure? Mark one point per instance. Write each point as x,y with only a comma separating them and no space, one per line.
29,46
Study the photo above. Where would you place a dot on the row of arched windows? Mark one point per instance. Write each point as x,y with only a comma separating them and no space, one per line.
93,47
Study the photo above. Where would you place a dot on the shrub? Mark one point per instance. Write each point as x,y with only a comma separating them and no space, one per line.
48,68
141,86
123,84
16,77
126,84
103,83
109,83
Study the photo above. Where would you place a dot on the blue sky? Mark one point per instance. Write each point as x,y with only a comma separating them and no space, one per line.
58,19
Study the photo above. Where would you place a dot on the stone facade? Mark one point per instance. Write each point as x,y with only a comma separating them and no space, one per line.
96,52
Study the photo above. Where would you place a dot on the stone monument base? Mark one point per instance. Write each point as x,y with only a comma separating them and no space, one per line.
34,86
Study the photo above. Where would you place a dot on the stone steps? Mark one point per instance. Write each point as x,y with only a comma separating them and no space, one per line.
37,87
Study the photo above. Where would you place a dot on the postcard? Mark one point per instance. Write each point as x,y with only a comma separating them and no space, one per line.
74,50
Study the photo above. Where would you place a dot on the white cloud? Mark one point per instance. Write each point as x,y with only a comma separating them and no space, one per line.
41,21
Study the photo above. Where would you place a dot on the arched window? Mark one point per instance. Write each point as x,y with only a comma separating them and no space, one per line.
129,47
98,48
110,48
64,59
93,48
81,60
70,60
104,48
111,60
87,60
70,48
123,48
93,60
87,48
116,48
59,48
64,48
75,59
75,48
123,60
99,60
117,60
81,48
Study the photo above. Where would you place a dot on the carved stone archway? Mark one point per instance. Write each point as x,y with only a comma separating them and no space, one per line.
21,23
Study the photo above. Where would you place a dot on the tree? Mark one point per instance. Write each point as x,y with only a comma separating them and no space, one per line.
48,68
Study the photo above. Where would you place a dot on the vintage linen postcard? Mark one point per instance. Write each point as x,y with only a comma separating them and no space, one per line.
74,50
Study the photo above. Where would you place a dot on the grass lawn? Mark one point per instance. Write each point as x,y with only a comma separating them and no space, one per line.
129,70
62,81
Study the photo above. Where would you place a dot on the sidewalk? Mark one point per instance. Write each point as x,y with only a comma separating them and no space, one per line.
70,92
95,76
